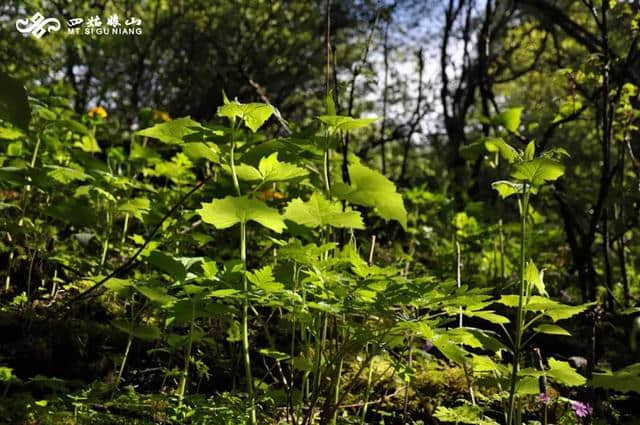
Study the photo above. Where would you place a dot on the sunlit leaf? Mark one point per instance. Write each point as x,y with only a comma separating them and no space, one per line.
496,144
198,150
510,118
171,132
319,212
550,329
535,277
506,188
372,189
538,171
345,123
254,115
224,213
137,207
562,373
263,279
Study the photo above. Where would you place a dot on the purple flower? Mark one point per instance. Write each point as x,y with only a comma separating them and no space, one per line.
582,409
428,345
544,398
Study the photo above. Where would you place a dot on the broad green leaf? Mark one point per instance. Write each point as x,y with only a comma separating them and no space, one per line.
210,269
14,104
198,150
169,265
553,309
464,337
345,123
331,106
119,286
263,279
269,170
156,295
10,133
562,373
528,385
6,374
75,127
372,189
484,364
254,115
302,363
88,144
224,213
234,333
623,380
144,332
245,172
538,171
274,354
529,151
465,414
449,349
473,150
550,329
489,316
319,212
506,188
510,118
14,149
223,293
535,278
136,207
496,144
65,175
273,170
172,132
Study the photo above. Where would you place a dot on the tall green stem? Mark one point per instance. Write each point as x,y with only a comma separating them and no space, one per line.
126,350
107,235
187,359
245,322
520,312
367,393
245,287
326,159
35,151
124,362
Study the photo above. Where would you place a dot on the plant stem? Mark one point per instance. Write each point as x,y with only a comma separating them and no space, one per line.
35,151
320,345
7,281
336,395
187,359
124,230
326,159
367,392
124,361
520,311
105,247
245,322
245,286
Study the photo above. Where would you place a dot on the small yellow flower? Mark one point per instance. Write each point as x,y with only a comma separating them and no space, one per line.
97,111
161,116
270,195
